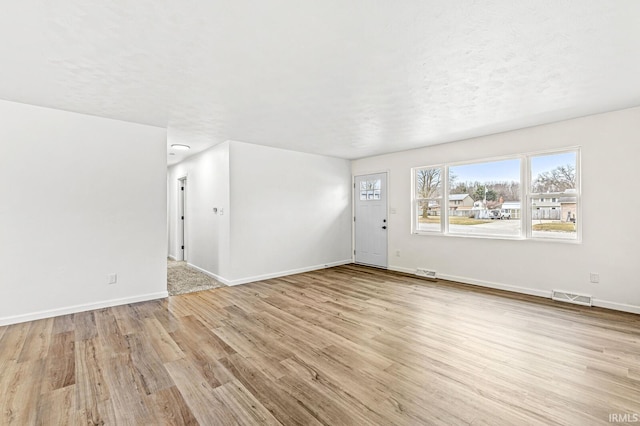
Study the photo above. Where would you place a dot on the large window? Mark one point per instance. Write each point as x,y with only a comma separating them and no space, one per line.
524,196
484,189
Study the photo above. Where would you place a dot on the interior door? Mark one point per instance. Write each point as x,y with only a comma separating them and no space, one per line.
370,200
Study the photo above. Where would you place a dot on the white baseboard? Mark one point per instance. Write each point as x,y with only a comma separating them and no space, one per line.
289,272
482,283
81,308
498,286
209,274
616,306
172,257
246,280
523,290
401,269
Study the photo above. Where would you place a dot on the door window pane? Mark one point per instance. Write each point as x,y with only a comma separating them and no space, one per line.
370,189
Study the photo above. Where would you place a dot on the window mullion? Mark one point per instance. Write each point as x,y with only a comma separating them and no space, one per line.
526,196
444,223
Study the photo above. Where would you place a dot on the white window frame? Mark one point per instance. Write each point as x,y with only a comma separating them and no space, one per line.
530,196
526,198
415,200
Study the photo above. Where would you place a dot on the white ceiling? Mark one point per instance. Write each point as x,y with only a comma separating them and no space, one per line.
335,77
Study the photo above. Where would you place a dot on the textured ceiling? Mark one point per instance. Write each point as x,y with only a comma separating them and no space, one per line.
336,77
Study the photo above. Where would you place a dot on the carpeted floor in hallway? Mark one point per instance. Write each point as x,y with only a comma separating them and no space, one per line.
181,279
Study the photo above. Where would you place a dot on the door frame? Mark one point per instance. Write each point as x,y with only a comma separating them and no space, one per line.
181,225
353,210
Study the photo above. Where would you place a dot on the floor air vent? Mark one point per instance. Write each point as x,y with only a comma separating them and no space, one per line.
578,299
426,273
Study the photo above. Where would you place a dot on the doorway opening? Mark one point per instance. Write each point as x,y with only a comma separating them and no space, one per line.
183,278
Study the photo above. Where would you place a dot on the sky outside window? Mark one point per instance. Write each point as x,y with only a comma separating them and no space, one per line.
546,163
495,171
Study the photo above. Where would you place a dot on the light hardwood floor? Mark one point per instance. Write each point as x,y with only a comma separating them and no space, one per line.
343,346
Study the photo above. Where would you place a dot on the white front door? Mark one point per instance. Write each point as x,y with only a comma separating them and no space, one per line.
370,197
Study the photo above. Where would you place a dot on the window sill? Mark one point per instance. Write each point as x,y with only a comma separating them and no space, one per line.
498,237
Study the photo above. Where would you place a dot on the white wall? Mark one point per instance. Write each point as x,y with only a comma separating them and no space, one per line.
290,212
284,211
81,197
207,234
611,238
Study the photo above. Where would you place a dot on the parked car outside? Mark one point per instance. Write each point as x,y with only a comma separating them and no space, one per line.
499,214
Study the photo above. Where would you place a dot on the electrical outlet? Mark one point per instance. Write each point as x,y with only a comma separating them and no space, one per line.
112,278
398,253
594,277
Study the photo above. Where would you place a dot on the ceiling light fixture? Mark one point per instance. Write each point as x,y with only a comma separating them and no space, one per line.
180,146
